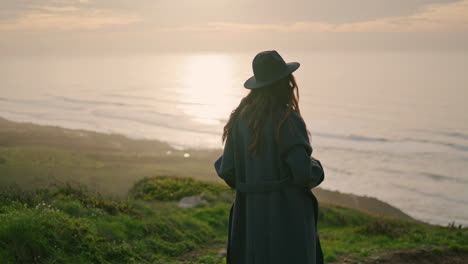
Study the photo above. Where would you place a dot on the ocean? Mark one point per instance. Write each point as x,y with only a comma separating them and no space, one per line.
387,124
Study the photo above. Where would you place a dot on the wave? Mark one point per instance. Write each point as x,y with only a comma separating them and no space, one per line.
352,137
430,175
153,99
437,177
392,171
458,135
176,122
124,104
97,102
431,194
33,115
440,177
361,138
43,118
340,171
42,103
459,147
79,104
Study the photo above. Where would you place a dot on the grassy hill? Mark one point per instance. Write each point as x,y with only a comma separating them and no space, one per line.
86,197
66,224
35,156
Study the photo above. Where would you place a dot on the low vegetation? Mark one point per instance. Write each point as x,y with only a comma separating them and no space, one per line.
71,224
125,216
357,237
36,156
169,188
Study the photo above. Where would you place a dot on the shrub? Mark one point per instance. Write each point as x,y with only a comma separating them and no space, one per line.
171,188
386,226
339,216
31,236
73,227
15,194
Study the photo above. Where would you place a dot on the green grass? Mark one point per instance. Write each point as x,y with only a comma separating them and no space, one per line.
69,224
169,188
350,234
35,156
74,225
110,172
53,218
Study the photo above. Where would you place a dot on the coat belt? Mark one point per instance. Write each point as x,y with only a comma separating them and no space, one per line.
269,186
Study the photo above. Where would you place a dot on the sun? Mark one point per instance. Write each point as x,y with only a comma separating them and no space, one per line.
208,87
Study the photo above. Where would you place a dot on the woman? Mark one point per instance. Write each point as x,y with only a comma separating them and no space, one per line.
267,159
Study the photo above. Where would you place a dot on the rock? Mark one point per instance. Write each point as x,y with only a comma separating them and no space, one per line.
191,201
222,252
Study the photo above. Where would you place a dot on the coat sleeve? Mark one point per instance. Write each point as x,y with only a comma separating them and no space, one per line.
224,165
306,171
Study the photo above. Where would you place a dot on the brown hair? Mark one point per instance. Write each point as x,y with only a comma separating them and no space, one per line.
261,102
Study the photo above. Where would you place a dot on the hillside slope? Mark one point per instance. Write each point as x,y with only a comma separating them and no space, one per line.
66,224
35,156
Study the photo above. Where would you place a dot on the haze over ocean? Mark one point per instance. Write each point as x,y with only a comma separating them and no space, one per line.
392,125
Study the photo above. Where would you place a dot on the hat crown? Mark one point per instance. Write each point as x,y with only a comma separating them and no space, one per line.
268,64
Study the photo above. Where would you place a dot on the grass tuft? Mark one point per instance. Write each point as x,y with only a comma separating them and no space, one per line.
171,188
386,226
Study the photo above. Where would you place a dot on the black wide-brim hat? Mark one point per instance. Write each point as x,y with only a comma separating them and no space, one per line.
269,67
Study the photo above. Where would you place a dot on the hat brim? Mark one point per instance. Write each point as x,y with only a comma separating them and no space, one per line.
252,83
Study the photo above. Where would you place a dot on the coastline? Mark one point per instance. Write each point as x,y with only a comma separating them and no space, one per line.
34,155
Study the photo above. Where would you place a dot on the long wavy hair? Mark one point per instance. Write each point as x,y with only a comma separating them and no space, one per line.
261,102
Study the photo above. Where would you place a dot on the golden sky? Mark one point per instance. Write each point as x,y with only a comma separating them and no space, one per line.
48,26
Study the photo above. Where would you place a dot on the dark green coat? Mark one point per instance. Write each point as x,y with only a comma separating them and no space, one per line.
273,219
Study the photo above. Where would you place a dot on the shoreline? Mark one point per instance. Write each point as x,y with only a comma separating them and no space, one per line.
136,159
130,132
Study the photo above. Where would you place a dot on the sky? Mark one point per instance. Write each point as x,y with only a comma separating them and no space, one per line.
140,26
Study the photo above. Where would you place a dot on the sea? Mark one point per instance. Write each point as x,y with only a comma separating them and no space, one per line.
386,124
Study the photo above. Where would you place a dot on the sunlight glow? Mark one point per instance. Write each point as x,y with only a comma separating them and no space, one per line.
208,88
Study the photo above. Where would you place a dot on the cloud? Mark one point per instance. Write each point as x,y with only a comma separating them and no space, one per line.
65,18
318,15
451,17
72,26
434,18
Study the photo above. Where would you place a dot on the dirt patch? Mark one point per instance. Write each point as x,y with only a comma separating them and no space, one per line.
216,250
414,256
